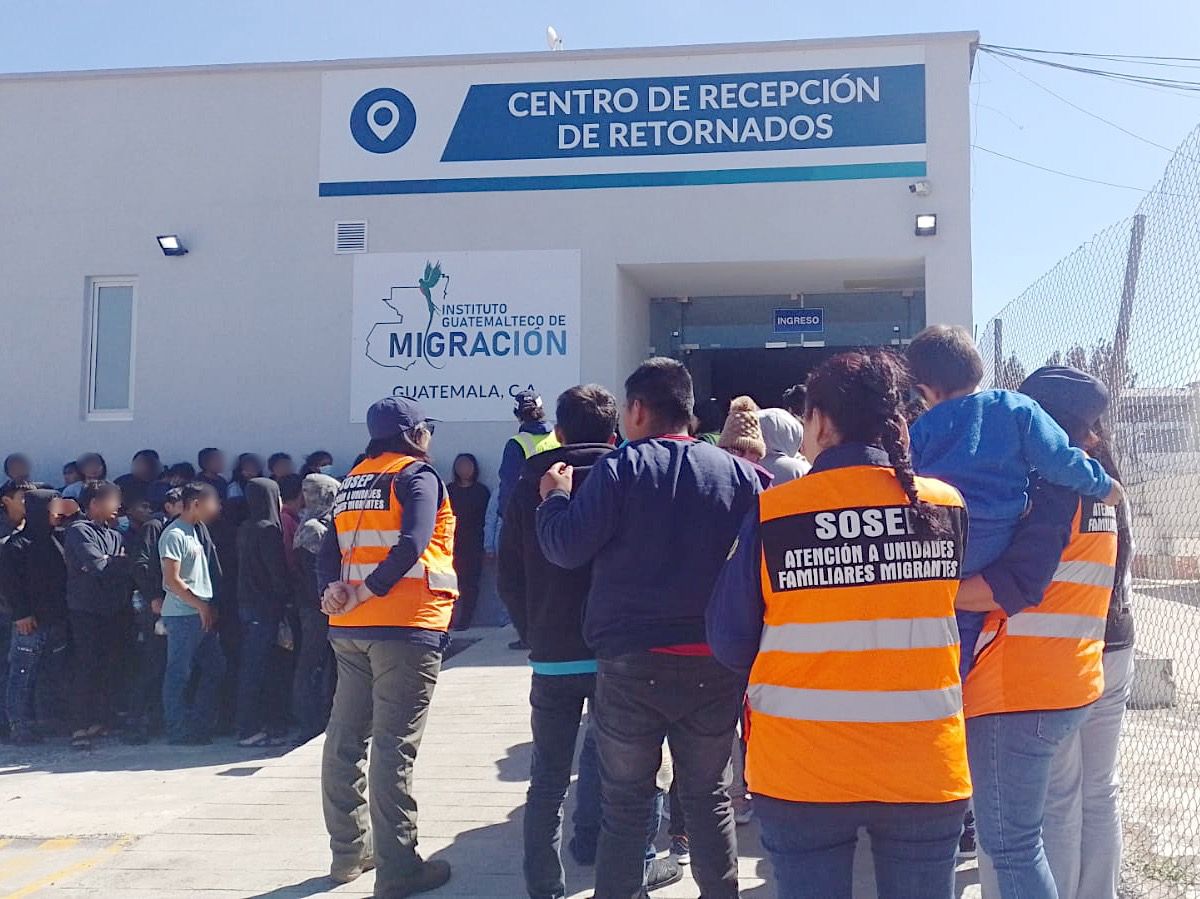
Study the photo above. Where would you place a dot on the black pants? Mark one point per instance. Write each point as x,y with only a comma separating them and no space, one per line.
468,565
316,674
148,662
693,702
556,703
98,643
261,702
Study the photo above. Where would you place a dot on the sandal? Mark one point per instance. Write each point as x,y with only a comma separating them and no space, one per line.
257,741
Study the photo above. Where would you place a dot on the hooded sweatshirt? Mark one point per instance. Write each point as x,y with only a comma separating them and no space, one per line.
545,601
99,573
264,584
33,572
320,491
783,435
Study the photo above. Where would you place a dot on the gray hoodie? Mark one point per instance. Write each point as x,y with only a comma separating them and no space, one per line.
783,435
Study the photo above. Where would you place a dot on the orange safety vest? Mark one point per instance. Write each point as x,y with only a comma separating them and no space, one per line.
1050,656
855,694
368,520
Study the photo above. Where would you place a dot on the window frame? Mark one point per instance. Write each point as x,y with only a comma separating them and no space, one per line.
95,284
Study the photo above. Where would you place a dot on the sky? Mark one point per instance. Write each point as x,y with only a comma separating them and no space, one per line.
1024,220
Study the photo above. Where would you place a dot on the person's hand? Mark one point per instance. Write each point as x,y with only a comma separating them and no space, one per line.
156,606
559,476
336,597
26,626
1116,496
208,617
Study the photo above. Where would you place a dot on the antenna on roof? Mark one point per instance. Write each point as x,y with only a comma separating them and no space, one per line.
553,41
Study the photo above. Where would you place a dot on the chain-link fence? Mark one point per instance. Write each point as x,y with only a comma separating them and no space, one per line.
1124,307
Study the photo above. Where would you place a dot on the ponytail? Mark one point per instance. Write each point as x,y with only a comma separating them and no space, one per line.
927,522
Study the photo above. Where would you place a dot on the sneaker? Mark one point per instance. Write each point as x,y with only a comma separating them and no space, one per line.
743,813
662,873
680,851
518,645
351,874
431,875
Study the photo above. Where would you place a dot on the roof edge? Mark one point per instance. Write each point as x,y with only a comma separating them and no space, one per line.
508,57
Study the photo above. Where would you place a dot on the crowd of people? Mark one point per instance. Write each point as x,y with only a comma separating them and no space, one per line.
896,603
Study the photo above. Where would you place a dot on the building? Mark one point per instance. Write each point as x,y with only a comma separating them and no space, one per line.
457,228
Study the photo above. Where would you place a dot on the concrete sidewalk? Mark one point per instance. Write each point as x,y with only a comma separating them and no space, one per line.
172,822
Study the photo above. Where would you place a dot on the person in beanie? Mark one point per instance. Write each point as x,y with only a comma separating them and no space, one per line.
386,573
743,436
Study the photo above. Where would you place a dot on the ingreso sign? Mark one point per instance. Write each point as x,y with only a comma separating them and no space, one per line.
799,321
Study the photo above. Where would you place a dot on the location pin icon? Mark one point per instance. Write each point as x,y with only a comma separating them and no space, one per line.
382,118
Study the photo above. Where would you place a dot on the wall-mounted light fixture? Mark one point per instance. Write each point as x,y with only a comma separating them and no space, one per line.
171,245
926,225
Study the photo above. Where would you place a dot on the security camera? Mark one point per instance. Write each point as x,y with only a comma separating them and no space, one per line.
920,188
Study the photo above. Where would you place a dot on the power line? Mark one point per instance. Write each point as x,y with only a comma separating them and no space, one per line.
1124,57
1172,84
1086,112
1034,165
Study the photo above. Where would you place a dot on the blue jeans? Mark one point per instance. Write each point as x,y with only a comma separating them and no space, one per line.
260,689
30,658
812,846
1011,756
693,702
191,651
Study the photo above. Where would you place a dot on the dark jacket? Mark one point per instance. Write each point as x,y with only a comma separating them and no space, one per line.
658,517
470,513
264,581
33,571
99,576
546,602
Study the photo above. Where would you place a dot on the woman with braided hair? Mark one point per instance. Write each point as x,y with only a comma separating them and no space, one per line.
837,600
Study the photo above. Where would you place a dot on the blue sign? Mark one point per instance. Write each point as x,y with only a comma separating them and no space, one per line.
799,321
669,115
383,120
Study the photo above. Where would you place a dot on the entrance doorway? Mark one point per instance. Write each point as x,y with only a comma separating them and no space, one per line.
761,374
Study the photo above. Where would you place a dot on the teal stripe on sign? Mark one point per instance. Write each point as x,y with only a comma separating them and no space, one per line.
854,172
583,666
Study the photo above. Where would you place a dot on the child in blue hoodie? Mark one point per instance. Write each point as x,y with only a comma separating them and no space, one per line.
986,443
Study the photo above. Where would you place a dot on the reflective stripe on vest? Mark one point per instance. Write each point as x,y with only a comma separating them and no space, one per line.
855,695
1050,656
860,636
369,520
881,706
532,444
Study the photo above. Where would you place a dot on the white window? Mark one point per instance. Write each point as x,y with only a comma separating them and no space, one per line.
110,354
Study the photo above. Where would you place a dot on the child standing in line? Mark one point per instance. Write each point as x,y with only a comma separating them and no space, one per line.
986,443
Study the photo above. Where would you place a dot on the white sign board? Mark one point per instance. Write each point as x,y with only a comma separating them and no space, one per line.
555,122
462,332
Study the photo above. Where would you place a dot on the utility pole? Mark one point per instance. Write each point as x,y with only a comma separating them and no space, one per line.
1118,371
998,354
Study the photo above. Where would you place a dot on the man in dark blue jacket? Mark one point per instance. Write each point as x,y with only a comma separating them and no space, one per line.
656,519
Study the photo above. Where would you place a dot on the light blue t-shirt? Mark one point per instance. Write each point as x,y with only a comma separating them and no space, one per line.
179,542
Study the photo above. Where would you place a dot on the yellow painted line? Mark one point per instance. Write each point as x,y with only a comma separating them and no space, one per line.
79,867
4,843
57,844
15,866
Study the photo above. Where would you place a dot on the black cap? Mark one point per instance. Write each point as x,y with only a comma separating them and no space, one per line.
1068,392
392,416
526,401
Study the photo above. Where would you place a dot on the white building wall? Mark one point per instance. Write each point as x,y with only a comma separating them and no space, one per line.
244,343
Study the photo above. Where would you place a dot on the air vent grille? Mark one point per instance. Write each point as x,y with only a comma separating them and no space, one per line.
349,237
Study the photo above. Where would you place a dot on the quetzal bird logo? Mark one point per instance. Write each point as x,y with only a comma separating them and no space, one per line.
401,297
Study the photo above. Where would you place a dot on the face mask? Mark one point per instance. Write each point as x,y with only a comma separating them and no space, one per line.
326,469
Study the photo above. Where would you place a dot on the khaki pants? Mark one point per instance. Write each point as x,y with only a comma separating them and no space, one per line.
383,692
